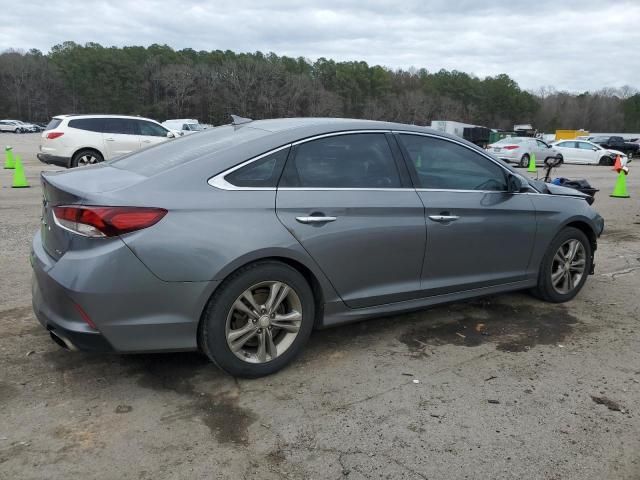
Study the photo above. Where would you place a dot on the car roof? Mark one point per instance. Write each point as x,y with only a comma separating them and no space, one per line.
100,115
330,124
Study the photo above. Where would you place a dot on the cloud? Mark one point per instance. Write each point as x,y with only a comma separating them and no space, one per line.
576,46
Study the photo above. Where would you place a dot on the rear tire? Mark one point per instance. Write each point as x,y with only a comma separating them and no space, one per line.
86,157
222,320
563,272
524,161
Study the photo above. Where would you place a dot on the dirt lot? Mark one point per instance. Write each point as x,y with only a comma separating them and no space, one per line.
507,387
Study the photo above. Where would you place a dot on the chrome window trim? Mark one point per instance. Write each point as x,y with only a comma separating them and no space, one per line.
219,180
331,189
335,134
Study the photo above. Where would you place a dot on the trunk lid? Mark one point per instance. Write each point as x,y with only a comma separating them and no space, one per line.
79,186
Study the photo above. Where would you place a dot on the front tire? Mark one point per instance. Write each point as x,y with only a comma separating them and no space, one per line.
524,161
606,161
565,266
258,320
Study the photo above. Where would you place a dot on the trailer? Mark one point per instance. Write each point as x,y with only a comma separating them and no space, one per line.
570,134
448,126
472,133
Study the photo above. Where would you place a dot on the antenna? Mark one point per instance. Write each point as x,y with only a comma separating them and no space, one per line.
237,120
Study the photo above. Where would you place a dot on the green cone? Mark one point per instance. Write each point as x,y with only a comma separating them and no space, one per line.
620,190
19,178
532,163
9,161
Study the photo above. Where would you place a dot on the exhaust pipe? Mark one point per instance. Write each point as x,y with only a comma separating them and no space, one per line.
62,341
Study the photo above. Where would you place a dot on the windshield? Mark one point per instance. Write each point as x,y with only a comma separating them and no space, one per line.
167,155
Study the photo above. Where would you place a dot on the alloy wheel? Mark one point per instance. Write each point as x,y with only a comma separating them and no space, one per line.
263,322
87,159
568,266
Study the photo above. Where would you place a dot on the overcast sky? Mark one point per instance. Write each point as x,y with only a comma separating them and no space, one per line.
572,45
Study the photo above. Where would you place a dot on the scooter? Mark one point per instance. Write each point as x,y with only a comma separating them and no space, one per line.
580,185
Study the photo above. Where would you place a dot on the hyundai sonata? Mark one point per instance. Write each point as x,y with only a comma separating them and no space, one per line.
240,240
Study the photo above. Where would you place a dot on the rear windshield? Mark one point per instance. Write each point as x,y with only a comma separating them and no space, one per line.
53,123
172,153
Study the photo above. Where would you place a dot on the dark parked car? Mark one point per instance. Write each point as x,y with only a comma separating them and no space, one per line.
240,240
618,143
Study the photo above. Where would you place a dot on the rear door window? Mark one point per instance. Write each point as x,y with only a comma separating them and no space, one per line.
362,160
123,126
90,124
444,165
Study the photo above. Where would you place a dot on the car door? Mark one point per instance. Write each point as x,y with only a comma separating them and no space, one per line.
151,133
120,136
542,151
569,151
588,153
478,234
348,200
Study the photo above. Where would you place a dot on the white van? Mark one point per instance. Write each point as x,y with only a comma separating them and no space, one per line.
186,126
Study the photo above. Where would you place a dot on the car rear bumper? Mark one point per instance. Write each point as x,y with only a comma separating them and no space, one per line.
130,308
53,159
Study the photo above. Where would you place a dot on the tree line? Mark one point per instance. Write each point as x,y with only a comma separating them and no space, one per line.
161,83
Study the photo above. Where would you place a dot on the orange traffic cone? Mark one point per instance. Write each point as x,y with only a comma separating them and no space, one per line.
618,165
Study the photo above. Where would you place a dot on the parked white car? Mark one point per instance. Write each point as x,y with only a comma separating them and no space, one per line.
16,126
518,150
587,153
186,126
76,140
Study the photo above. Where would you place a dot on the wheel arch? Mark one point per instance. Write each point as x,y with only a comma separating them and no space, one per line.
320,287
585,227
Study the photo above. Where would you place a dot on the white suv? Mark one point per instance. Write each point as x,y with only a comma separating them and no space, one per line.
76,140
16,126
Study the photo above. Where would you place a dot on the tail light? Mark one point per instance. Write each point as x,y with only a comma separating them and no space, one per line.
511,147
106,221
54,135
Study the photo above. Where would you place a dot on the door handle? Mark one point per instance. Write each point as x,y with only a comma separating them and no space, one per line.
109,139
443,218
146,141
316,219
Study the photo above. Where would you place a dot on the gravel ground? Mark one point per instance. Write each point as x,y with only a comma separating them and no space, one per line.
503,387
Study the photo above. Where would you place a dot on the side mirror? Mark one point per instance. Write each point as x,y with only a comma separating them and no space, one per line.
594,149
170,135
516,184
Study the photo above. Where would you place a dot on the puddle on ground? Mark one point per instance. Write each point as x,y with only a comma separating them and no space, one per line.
512,328
220,411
